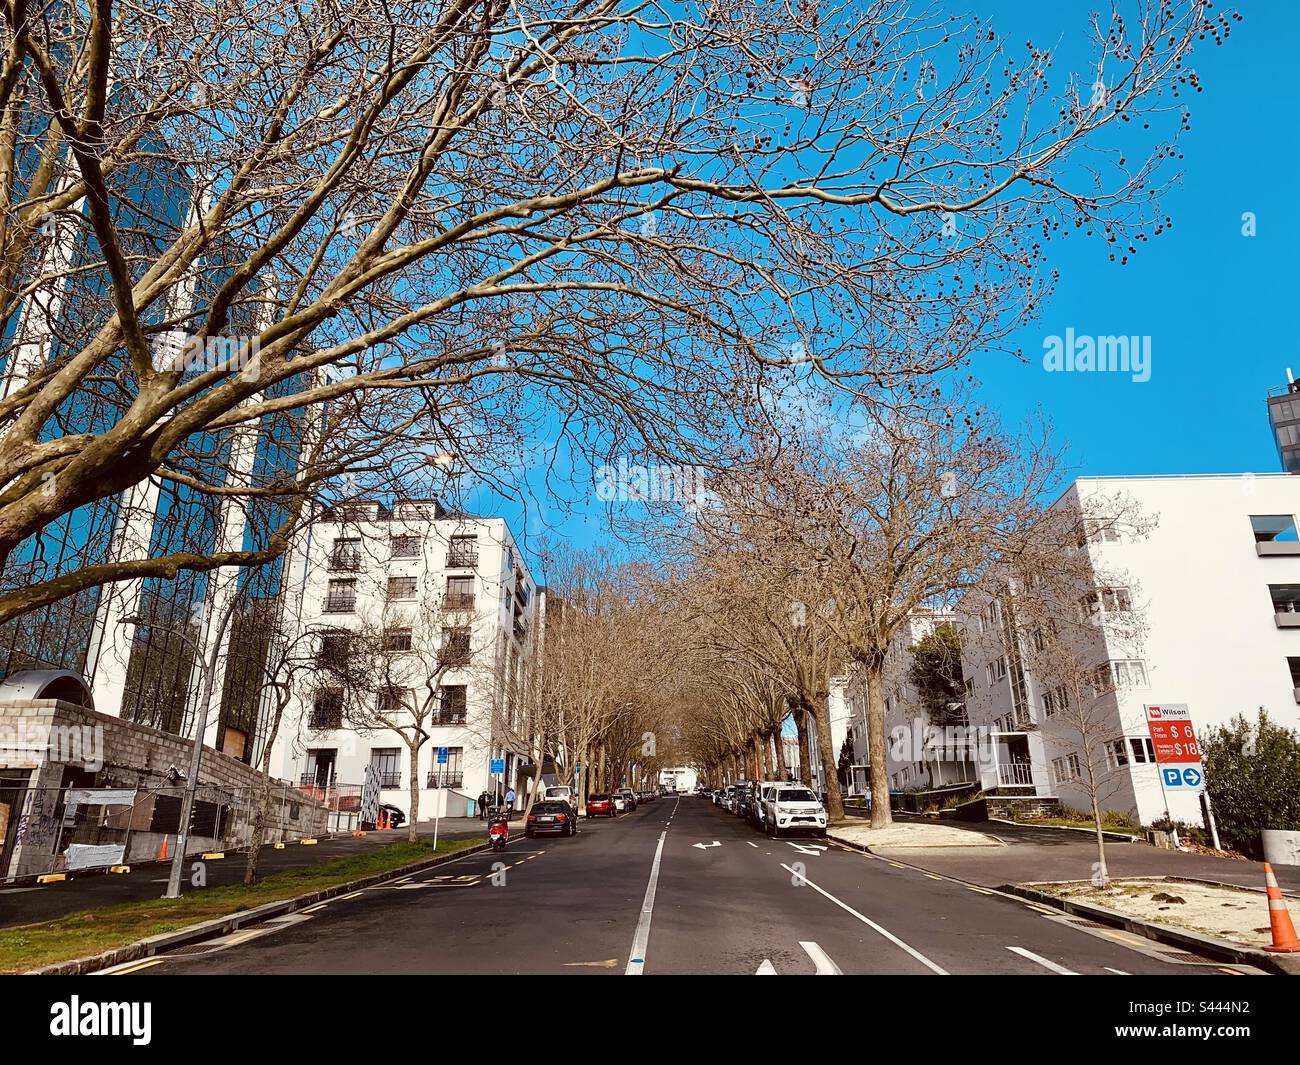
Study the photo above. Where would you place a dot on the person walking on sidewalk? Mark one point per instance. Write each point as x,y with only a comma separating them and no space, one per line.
483,799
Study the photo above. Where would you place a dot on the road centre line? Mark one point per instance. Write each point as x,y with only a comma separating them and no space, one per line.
636,959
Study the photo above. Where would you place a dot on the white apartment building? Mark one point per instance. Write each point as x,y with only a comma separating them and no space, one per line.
1217,579
436,587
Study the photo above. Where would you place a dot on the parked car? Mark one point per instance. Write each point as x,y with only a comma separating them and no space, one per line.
600,806
763,801
548,817
651,795
754,810
629,797
793,808
559,793
620,803
744,800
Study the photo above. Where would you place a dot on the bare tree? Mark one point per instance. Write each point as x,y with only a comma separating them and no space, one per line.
436,222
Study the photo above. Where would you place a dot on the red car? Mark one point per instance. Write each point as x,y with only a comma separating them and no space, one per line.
600,805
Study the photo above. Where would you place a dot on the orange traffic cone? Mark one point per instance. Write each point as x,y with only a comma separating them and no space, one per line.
383,820
162,851
1285,941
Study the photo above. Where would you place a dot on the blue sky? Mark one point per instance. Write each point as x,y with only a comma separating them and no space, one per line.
1211,299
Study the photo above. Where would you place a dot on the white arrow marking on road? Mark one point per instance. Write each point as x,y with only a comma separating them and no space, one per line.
766,969
706,846
1060,969
752,844
804,850
822,960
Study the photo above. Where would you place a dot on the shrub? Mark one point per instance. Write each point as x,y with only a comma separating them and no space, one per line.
1252,774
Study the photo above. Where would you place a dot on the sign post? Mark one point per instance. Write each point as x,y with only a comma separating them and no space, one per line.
1178,755
437,800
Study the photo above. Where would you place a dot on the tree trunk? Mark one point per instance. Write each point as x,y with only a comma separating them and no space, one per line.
805,766
411,834
259,830
881,817
834,799
780,754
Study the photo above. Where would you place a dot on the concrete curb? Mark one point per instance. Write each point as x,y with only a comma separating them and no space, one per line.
1107,835
220,926
1194,942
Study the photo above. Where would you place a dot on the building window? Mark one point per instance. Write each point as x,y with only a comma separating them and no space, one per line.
387,764
397,639
455,646
402,588
463,551
327,709
1056,700
460,593
453,700
1270,528
335,650
1105,601
1123,673
346,555
1286,598
341,597
1294,664
1142,749
1116,753
1099,531
997,669
404,547
1066,769
391,700
449,774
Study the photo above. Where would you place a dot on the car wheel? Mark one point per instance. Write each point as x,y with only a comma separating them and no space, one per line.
528,833
776,832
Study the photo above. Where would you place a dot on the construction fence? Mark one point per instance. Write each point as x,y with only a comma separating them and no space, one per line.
60,830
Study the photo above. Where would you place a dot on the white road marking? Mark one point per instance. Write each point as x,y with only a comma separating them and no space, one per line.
752,844
706,846
822,960
869,923
1117,972
1059,969
636,959
804,850
766,969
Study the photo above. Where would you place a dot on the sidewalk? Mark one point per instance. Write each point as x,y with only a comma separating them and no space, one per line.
29,903
1032,854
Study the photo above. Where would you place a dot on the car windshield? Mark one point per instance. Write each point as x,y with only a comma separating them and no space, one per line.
796,795
549,808
598,798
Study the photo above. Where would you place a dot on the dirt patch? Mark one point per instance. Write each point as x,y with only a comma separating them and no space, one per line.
1234,914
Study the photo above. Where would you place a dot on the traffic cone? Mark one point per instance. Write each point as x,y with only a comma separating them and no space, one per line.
162,851
1285,941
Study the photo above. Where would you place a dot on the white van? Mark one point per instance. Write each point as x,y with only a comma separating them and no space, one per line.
559,793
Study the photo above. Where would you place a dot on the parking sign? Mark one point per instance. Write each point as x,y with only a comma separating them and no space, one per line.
498,766
1174,740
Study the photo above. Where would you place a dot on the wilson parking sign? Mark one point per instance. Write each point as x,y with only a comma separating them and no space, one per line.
1174,739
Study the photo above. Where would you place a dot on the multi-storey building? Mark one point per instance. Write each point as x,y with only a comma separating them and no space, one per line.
438,619
1216,578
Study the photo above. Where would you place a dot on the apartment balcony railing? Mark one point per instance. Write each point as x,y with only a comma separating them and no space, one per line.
444,780
461,559
1015,774
345,562
390,780
446,718
458,601
521,631
340,604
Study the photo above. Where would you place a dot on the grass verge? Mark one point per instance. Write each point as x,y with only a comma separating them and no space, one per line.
87,932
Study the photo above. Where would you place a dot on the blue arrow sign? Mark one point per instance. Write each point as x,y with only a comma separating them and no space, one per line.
1192,778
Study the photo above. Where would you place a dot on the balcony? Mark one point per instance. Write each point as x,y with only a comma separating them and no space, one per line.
340,604
521,630
345,562
444,780
458,601
447,718
462,558
324,720
390,781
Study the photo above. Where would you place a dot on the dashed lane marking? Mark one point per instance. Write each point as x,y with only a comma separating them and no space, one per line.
869,923
1117,972
1060,970
636,959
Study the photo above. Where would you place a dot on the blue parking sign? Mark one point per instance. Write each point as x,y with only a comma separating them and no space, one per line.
442,755
1173,776
498,766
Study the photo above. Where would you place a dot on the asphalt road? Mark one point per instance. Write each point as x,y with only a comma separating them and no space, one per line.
678,886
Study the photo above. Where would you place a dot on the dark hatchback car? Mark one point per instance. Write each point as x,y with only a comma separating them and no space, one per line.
600,806
547,817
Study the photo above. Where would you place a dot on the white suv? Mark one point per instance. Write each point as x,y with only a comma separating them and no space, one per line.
790,807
